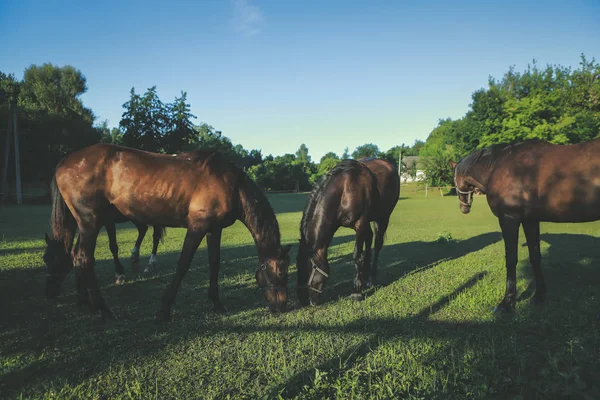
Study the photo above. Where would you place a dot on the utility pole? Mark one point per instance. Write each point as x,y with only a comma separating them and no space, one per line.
12,130
400,164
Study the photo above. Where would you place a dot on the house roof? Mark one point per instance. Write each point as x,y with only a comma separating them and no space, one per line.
410,160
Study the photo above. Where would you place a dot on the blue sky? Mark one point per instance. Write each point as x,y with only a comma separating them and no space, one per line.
272,74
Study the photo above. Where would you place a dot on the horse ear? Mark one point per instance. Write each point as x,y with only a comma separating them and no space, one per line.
452,164
47,238
286,249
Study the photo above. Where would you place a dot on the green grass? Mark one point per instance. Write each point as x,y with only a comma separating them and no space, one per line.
426,332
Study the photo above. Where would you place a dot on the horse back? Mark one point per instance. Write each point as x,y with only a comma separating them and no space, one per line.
549,182
152,188
359,196
388,182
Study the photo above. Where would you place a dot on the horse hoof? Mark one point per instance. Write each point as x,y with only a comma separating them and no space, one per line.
120,279
220,308
503,308
357,296
150,268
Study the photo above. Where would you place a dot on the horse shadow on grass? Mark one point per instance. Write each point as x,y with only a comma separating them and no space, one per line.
78,337
27,321
572,272
398,260
571,268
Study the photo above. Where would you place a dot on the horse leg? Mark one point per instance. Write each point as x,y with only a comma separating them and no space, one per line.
213,243
532,233
380,229
359,260
135,252
367,266
111,231
510,234
190,245
84,271
156,235
82,296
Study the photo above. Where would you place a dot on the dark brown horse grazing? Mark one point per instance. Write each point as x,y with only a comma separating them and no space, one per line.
526,183
202,192
352,194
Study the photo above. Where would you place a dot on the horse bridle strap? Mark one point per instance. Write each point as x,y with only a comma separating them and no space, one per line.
270,285
469,196
315,268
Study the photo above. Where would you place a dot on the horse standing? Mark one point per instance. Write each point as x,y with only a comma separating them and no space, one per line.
526,183
351,195
202,192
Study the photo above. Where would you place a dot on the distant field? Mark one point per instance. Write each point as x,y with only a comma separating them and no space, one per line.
426,332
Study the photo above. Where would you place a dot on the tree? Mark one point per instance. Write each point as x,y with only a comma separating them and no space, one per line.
109,135
55,90
436,163
51,117
366,150
145,121
327,163
346,154
302,154
180,131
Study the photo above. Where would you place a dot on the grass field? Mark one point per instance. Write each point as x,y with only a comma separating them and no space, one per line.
427,331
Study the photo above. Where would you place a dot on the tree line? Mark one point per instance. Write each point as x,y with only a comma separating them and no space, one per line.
554,103
54,122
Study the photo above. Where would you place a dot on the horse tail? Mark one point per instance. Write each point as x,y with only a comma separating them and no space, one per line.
62,221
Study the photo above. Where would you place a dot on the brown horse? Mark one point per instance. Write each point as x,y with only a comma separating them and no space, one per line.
202,192
352,194
526,183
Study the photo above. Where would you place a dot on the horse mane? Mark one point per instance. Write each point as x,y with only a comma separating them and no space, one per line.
259,216
315,195
489,154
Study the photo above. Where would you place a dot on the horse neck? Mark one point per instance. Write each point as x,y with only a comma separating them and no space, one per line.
258,216
317,231
481,171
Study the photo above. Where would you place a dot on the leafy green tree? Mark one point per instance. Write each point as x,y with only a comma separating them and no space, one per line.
366,150
327,163
145,121
52,119
302,154
436,163
180,132
109,135
55,90
346,154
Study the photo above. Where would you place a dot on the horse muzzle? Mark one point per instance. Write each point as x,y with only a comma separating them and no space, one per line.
276,299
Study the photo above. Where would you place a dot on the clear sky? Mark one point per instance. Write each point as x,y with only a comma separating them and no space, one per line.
272,74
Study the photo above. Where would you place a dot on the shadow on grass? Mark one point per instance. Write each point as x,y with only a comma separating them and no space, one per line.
400,259
80,346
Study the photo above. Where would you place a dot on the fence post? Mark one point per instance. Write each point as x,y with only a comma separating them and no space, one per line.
426,190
